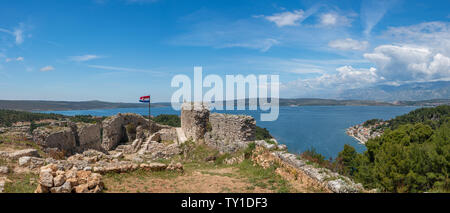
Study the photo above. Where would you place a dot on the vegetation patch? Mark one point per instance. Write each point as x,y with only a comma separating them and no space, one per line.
262,133
22,183
17,143
263,178
9,117
170,120
413,155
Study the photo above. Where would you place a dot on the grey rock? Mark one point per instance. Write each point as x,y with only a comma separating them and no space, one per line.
4,170
335,182
169,134
46,178
24,152
64,188
266,145
137,159
31,162
2,185
59,180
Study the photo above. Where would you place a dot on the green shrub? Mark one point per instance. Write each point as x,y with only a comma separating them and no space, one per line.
412,156
170,120
9,117
262,133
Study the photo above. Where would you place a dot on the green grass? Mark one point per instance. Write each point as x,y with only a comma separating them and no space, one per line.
141,174
17,143
263,178
270,141
22,183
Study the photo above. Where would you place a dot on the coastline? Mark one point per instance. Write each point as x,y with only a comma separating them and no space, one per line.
360,141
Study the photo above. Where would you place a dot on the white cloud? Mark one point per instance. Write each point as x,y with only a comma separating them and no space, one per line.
82,58
435,35
287,18
348,44
409,63
372,11
262,44
346,77
123,69
20,58
17,33
47,68
334,19
328,19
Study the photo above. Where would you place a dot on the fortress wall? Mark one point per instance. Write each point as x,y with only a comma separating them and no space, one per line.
194,119
232,127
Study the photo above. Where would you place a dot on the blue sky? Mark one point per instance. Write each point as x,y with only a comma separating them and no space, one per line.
118,50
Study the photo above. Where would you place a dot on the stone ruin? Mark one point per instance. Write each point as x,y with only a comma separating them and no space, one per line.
126,142
194,120
133,133
73,138
225,132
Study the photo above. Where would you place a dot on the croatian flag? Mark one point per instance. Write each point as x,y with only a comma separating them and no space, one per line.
144,99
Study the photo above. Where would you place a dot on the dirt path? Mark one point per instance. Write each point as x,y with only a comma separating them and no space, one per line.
199,181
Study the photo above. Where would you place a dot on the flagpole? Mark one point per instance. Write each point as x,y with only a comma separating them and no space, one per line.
149,123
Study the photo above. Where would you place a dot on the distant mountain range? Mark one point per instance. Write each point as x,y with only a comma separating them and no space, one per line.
405,92
25,105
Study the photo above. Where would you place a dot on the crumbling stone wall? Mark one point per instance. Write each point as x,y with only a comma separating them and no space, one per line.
194,120
88,136
229,133
61,138
226,132
232,127
114,128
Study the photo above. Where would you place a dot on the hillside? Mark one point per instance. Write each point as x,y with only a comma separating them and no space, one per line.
412,155
406,92
30,105
329,102
37,105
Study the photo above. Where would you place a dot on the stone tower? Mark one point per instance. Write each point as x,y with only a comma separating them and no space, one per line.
194,119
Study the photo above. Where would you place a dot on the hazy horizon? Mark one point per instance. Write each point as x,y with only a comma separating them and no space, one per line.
119,50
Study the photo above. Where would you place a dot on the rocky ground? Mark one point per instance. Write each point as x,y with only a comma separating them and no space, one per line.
198,168
126,153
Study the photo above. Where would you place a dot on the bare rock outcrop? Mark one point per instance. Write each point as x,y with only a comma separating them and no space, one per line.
31,162
21,153
155,150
